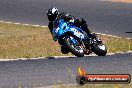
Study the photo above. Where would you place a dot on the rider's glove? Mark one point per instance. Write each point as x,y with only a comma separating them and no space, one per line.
54,38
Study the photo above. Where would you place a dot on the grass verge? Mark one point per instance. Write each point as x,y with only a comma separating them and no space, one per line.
20,41
96,86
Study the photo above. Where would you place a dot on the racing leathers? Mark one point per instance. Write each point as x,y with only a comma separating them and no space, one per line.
71,19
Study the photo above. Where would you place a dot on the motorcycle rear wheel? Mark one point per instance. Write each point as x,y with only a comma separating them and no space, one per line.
99,49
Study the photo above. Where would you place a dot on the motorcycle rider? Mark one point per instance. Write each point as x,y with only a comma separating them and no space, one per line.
54,15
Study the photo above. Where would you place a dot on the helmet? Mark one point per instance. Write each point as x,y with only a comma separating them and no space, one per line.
52,13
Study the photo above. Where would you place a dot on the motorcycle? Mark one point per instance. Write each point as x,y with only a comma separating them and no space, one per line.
73,39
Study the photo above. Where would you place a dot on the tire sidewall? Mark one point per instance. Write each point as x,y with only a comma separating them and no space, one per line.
98,51
73,50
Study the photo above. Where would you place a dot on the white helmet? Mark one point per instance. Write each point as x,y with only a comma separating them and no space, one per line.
52,13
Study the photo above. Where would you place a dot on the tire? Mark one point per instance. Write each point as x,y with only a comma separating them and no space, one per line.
99,50
75,50
64,50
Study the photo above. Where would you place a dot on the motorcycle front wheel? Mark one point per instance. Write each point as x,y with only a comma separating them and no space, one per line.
74,45
64,50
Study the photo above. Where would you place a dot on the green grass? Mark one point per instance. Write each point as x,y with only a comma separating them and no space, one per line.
19,41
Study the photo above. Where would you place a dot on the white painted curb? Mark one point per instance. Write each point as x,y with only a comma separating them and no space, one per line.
21,24
113,36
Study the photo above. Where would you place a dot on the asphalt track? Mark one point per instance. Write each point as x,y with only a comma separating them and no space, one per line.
50,71
102,17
